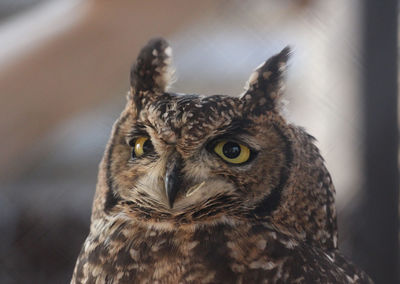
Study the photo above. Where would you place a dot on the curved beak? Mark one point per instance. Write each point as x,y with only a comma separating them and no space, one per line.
172,180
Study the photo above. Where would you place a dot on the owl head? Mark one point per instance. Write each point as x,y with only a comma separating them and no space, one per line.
189,160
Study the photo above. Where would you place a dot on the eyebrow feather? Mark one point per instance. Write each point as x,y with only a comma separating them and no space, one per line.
138,130
237,126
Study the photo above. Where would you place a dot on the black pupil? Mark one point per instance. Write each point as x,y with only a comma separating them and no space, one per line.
231,150
147,146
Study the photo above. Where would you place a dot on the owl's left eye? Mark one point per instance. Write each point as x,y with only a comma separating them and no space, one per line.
141,145
232,152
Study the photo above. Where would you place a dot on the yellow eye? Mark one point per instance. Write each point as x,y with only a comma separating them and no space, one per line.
141,146
232,152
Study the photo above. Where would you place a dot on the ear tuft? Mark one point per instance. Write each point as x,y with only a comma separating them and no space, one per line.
265,85
152,70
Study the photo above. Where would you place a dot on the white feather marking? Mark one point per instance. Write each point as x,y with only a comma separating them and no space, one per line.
195,188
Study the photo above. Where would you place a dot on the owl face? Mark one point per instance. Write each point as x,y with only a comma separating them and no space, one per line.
191,157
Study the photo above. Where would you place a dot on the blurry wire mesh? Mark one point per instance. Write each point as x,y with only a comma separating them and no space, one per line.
45,211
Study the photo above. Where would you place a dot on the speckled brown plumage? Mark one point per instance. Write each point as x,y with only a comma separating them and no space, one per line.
270,219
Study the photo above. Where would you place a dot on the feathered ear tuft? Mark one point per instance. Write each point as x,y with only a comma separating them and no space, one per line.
265,85
152,73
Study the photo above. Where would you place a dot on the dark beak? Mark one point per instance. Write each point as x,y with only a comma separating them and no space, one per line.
172,179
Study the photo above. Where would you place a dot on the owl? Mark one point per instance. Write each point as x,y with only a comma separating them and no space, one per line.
211,189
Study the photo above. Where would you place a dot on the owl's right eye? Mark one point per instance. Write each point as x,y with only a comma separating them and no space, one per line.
232,152
140,146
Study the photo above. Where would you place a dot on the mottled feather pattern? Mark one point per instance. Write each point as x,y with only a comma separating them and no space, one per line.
182,213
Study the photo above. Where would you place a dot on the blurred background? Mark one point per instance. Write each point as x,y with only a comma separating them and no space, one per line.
64,75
